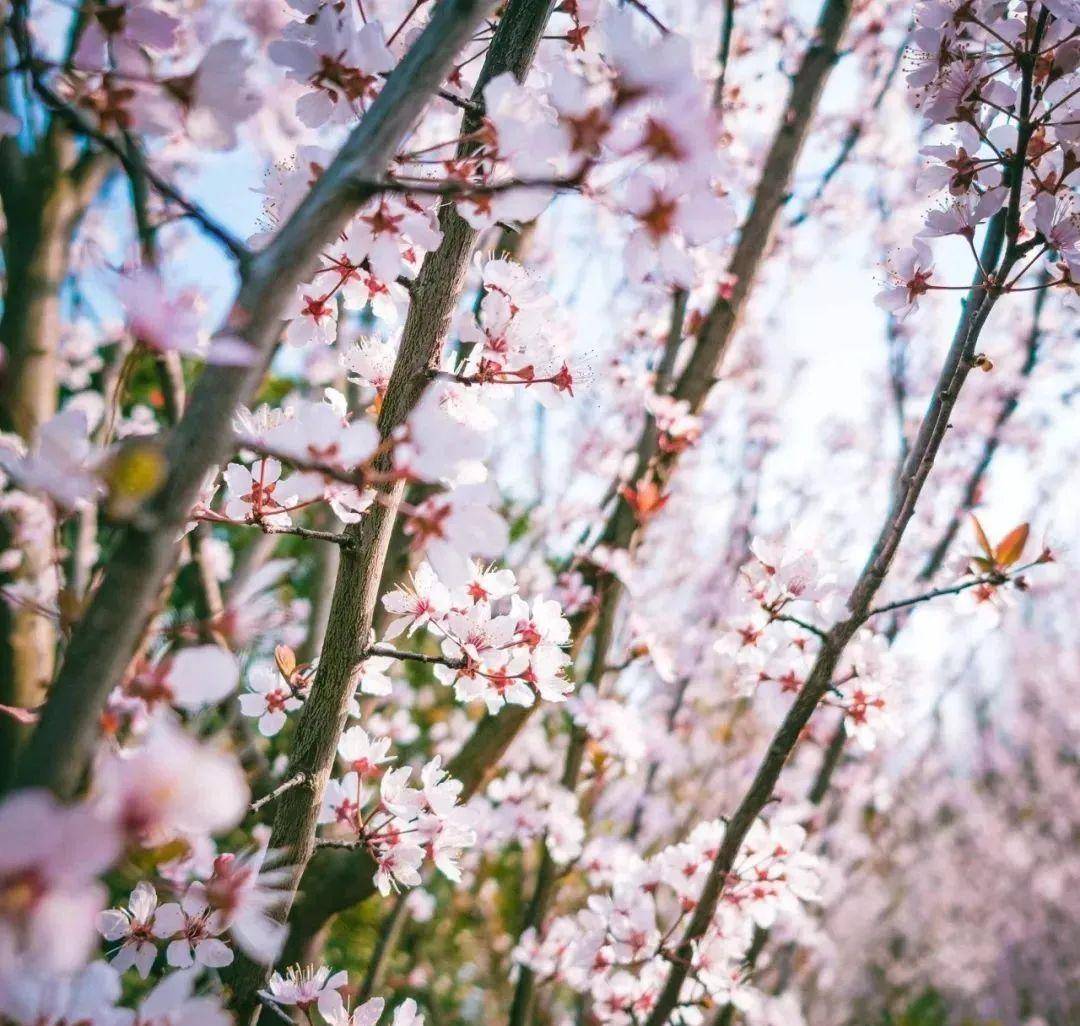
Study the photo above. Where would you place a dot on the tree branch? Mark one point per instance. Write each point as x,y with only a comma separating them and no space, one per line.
288,785
854,134
342,539
107,636
957,365
130,157
434,296
992,443
995,580
416,657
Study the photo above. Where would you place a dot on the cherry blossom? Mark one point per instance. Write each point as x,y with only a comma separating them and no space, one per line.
336,1013
258,493
134,926
165,322
910,274
305,987
269,698
189,679
427,600
196,929
338,59
49,866
962,216
173,1003
60,464
168,785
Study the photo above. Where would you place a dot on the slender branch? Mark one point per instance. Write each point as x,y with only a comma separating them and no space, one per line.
638,5
991,444
957,365
805,625
829,763
344,540
769,198
416,657
994,580
818,789
428,187
389,936
131,158
724,56
276,1009
853,135
471,106
358,477
295,781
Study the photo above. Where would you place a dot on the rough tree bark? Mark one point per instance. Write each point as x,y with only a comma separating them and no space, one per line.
434,296
44,193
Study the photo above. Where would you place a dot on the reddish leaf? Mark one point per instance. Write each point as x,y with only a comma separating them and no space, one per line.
286,660
1011,547
980,535
645,500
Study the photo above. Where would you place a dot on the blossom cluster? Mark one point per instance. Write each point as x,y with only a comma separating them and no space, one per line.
575,849
617,949
774,642
168,793
496,647
397,823
968,78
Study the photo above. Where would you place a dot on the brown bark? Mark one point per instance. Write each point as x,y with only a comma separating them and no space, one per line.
434,297
44,195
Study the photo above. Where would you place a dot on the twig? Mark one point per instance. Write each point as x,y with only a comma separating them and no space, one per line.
990,445
476,108
288,785
724,56
416,657
426,187
639,6
358,477
276,1009
994,579
133,161
854,134
344,540
389,935
787,618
